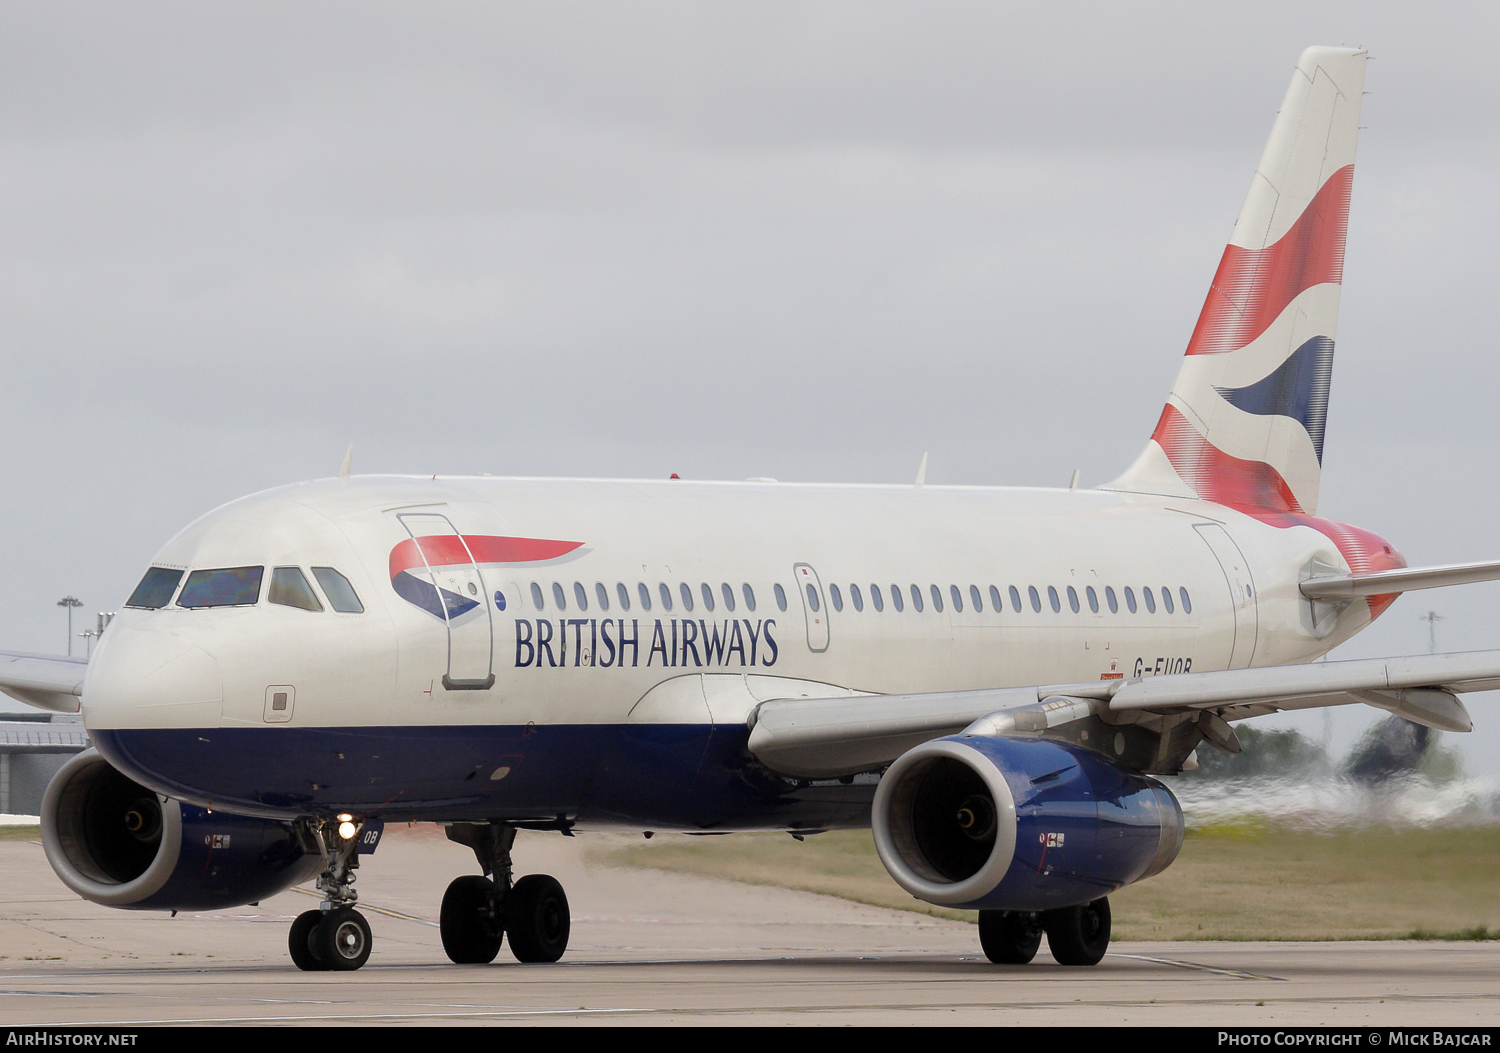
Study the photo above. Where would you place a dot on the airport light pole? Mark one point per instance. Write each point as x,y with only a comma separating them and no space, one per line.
1431,618
70,602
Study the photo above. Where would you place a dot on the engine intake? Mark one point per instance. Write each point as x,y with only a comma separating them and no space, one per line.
115,842
1019,824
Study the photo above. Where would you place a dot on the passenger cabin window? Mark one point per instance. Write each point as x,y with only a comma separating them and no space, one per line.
230,587
896,598
1130,599
877,599
937,598
995,602
855,598
1150,599
749,595
780,597
1072,599
1036,600
708,597
341,595
156,588
601,593
1109,598
1093,599
581,595
1015,599
644,592
916,598
536,595
559,597
624,594
666,595
289,588
728,593
1187,604
1166,598
687,595
835,596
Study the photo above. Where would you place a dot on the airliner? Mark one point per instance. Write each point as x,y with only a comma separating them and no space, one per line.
990,679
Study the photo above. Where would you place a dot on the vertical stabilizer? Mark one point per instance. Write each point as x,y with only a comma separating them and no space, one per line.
1243,424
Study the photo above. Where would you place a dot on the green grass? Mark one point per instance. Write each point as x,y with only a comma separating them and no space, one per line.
1239,881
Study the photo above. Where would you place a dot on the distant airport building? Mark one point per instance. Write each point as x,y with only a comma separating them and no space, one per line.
32,748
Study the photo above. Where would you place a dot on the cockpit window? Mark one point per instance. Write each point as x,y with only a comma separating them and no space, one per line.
338,590
231,587
156,588
290,589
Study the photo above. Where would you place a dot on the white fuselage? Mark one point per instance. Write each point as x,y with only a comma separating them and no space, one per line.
195,670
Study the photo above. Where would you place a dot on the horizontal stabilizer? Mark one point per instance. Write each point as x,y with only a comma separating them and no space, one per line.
1406,579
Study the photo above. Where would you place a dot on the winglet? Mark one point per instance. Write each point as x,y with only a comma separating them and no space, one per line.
344,468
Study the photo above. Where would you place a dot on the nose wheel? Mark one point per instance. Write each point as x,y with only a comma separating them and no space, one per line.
335,937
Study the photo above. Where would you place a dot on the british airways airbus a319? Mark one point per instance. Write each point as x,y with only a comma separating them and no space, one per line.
988,678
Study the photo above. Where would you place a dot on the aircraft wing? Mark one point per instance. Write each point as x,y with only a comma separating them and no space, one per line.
44,681
829,737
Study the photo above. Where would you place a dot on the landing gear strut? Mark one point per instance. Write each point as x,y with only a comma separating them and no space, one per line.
335,936
478,913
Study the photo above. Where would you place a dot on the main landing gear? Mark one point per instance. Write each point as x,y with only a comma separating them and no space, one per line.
1075,935
480,912
335,936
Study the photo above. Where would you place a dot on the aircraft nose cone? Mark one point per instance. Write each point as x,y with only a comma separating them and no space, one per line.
150,679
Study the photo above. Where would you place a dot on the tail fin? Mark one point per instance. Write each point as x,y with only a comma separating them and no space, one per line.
1243,424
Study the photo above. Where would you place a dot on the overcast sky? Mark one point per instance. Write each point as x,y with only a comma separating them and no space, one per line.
802,240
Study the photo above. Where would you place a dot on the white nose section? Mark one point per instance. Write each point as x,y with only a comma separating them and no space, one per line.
151,680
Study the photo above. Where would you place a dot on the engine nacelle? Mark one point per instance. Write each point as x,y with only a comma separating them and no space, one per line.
115,842
1028,824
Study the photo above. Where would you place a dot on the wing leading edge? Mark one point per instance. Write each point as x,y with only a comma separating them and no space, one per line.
45,681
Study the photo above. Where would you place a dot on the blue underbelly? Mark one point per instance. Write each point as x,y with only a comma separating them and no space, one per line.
634,775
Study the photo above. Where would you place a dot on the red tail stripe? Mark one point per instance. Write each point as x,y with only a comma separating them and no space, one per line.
1253,286
1214,474
1362,550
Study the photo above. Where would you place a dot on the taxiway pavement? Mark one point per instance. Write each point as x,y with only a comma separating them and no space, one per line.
649,947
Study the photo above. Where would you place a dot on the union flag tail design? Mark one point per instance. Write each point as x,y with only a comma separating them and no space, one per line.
1243,424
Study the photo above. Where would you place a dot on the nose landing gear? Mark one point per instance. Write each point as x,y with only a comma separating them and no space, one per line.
336,936
478,913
